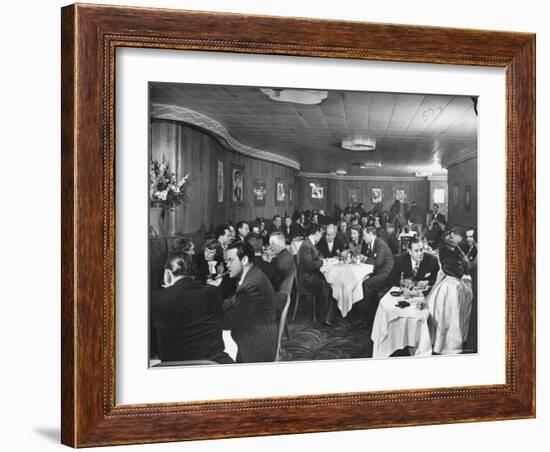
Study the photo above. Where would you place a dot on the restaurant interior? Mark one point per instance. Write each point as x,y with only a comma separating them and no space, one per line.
314,151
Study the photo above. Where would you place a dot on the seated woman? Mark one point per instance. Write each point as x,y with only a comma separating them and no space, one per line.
450,303
355,244
210,263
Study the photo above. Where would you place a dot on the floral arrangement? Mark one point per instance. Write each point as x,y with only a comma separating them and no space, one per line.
165,190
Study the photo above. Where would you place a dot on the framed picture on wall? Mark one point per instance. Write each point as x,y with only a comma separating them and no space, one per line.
280,195
110,393
439,196
353,195
220,181
237,184
376,195
468,198
455,194
317,191
258,192
400,195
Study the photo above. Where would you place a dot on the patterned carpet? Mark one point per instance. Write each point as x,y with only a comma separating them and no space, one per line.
310,341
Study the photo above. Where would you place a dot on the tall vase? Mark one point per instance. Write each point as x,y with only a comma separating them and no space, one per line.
156,222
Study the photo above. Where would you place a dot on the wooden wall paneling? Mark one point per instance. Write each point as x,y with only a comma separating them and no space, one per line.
463,174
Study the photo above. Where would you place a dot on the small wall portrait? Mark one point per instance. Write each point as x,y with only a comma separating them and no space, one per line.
468,198
280,195
220,182
376,195
237,184
258,192
400,195
317,191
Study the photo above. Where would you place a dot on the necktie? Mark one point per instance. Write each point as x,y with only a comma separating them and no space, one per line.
415,269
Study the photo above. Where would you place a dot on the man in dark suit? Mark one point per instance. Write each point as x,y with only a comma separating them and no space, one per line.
298,228
250,314
330,245
287,230
284,263
187,315
267,267
310,276
416,265
469,246
380,256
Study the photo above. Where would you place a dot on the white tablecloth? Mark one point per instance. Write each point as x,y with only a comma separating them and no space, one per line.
396,328
346,281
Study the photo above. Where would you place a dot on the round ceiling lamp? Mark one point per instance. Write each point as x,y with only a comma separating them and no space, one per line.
296,96
359,143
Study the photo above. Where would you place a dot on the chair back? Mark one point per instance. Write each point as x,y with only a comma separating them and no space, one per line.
282,303
286,285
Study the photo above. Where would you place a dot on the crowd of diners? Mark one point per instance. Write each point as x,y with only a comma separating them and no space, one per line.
244,274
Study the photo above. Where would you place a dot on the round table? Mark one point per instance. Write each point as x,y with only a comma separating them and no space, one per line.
346,281
396,328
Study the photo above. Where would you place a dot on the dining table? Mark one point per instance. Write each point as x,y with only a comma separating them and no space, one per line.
346,280
396,328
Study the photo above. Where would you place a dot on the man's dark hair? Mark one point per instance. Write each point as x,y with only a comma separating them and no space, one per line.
370,230
220,230
256,241
414,240
181,264
243,249
240,223
313,229
211,245
275,217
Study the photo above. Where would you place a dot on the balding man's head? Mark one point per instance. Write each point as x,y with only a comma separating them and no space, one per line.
277,239
331,232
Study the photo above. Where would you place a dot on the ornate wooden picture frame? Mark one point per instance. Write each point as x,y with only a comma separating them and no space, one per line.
90,38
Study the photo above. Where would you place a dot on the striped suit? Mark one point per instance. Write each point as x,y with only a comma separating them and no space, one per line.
250,315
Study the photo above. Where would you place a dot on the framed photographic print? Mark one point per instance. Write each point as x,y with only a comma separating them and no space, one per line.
353,195
280,192
400,195
237,184
125,380
468,198
259,192
220,181
455,195
376,195
317,191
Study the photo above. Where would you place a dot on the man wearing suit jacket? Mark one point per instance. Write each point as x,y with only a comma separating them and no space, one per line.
380,256
310,277
267,267
250,314
415,265
187,315
283,262
330,245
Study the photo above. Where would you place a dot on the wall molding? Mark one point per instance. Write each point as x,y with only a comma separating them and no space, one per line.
185,115
332,176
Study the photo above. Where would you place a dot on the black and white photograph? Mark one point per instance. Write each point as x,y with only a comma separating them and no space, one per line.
334,269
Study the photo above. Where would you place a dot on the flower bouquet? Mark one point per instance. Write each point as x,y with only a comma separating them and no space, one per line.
165,193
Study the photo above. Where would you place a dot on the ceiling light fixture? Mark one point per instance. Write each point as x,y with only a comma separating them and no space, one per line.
296,96
341,172
367,165
359,143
